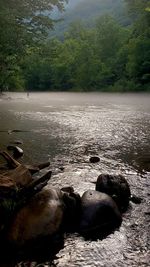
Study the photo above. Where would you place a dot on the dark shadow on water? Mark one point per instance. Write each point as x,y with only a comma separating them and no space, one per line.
99,232
39,251
45,249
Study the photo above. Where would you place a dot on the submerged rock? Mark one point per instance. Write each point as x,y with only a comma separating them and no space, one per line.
99,215
115,186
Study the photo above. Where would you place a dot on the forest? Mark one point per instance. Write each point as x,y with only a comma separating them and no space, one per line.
109,51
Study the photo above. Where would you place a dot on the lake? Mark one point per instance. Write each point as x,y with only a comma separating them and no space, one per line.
68,128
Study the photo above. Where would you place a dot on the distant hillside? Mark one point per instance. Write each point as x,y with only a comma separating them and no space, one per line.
88,11
68,6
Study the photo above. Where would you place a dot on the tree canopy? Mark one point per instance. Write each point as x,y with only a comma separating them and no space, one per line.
22,23
106,56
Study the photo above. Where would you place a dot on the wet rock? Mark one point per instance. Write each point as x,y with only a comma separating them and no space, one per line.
94,159
99,215
117,187
62,168
135,199
37,213
68,189
47,214
17,151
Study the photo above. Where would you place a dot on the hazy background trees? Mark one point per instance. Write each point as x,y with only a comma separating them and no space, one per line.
109,50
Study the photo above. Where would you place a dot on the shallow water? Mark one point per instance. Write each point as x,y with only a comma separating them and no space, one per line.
68,128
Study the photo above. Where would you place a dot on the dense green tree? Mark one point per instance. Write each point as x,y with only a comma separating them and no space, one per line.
110,37
21,23
32,15
136,7
64,65
37,65
138,65
107,56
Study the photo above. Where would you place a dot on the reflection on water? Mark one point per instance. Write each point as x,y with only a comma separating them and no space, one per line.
68,128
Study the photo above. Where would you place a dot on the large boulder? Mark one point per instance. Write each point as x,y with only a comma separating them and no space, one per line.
45,215
115,186
41,216
99,215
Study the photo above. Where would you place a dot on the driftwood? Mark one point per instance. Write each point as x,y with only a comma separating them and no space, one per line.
17,186
37,167
12,163
27,192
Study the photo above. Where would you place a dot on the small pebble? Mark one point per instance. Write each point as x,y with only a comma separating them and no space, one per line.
94,159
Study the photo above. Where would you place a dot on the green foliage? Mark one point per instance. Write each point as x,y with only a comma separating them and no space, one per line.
109,37
22,24
31,15
138,6
138,66
107,56
88,11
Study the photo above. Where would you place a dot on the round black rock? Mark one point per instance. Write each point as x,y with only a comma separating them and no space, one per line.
94,159
115,186
99,215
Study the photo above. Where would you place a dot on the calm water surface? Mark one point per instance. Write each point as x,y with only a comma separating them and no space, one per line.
68,128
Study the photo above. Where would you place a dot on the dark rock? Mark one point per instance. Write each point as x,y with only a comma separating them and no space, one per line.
42,216
17,151
135,199
46,214
61,168
117,187
94,159
99,215
68,189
